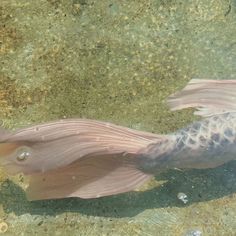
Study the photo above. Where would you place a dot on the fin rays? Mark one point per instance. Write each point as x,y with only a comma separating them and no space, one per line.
210,97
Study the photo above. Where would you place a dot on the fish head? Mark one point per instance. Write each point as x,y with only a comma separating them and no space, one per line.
15,157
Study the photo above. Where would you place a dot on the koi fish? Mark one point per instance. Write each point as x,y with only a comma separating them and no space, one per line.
90,159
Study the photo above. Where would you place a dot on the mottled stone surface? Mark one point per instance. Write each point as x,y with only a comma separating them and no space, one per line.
116,61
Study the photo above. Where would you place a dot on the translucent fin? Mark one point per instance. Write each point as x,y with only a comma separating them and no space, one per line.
60,129
7,148
90,177
3,133
57,144
210,97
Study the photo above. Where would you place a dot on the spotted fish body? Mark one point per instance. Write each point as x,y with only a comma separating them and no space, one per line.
203,144
90,159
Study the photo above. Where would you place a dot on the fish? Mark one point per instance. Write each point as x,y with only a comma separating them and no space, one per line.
90,159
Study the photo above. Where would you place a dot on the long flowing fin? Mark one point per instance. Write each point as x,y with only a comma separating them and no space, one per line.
210,97
89,177
57,144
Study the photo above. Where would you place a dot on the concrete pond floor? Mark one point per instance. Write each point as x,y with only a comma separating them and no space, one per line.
116,61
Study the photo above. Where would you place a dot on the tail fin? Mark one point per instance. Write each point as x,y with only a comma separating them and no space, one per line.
89,177
79,158
58,144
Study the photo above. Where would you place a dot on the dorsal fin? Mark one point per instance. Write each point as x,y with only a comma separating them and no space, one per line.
210,97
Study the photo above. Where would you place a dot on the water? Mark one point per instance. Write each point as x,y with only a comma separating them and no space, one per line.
116,61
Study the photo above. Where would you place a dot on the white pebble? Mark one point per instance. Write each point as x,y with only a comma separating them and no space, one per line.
182,197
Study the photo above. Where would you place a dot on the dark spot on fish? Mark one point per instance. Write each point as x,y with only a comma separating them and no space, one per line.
202,139
216,137
211,143
193,132
228,132
183,137
196,125
191,141
180,144
225,142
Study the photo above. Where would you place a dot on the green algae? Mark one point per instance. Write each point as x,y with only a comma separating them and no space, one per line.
116,61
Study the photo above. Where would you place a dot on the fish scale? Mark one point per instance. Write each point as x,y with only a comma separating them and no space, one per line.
214,131
202,144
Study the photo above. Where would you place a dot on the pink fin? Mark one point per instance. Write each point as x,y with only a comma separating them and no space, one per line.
211,97
57,144
4,133
90,177
7,148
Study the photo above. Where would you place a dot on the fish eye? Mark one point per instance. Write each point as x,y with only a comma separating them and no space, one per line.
23,154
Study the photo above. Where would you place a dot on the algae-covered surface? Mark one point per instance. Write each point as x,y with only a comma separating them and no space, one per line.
116,61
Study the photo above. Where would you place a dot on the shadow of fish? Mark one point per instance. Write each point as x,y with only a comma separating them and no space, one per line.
90,159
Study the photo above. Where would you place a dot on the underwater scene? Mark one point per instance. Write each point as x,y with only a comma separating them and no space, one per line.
118,62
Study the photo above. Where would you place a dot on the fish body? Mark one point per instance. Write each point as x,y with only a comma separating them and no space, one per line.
90,159
204,144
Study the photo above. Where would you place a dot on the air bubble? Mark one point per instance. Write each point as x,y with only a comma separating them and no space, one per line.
193,233
182,197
